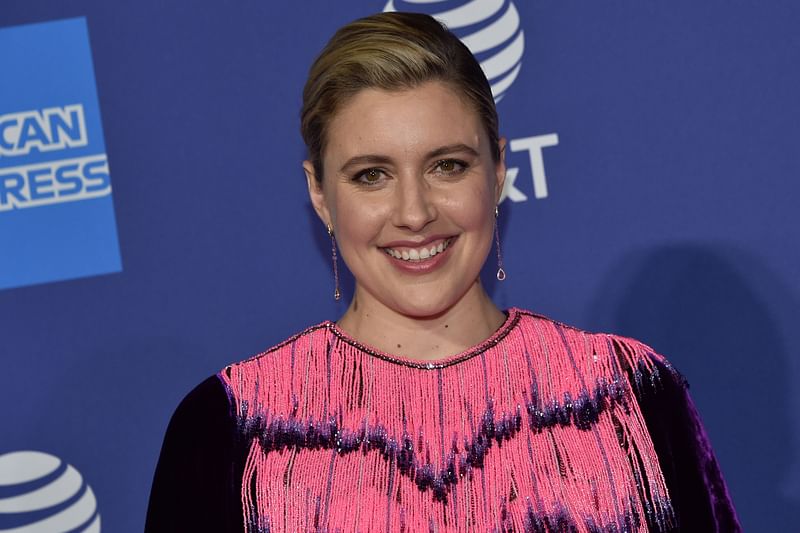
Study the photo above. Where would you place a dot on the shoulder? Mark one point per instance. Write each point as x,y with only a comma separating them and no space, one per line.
311,335
246,377
205,409
638,361
654,390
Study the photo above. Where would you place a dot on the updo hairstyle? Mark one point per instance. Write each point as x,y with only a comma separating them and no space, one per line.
392,52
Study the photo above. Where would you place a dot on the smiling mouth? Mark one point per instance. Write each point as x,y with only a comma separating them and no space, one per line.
419,254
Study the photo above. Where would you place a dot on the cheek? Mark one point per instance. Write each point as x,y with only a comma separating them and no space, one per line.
472,208
357,222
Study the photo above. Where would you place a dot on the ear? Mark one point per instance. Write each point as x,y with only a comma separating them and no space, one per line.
316,194
500,170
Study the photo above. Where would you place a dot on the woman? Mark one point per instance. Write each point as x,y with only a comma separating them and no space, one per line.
425,406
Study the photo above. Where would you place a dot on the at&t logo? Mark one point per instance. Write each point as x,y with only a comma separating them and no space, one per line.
42,494
492,30
496,34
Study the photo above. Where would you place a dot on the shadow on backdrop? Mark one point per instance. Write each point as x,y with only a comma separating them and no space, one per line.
721,318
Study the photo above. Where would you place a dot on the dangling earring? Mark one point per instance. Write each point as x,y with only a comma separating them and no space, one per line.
336,293
501,274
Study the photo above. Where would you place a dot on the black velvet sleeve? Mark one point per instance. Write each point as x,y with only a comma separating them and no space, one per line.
195,487
695,483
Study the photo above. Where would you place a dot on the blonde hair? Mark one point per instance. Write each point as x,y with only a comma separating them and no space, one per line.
390,51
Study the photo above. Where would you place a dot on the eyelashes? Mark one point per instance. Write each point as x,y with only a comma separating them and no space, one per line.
444,167
454,166
369,176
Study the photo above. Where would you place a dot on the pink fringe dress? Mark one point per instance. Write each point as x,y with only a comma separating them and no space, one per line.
537,429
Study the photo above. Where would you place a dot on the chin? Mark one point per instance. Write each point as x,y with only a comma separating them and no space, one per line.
425,306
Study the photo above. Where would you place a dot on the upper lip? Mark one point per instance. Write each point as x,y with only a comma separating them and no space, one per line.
416,244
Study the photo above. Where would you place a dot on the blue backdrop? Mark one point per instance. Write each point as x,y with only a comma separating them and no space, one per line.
654,174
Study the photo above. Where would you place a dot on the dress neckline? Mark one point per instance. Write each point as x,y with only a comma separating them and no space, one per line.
513,315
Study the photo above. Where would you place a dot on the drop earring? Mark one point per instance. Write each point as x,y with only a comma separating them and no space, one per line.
335,259
501,274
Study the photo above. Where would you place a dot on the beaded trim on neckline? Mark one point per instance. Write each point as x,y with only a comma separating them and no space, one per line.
512,319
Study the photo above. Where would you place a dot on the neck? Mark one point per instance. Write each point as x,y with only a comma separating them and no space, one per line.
468,322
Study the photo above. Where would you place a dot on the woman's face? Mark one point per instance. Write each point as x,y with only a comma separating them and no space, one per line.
410,189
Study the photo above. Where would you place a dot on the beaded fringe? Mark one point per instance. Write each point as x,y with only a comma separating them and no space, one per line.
537,430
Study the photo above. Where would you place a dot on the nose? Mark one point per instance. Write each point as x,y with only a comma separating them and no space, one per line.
414,203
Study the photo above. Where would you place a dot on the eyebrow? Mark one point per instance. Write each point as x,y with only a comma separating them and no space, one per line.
375,159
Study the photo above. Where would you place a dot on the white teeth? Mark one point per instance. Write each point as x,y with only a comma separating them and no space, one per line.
412,254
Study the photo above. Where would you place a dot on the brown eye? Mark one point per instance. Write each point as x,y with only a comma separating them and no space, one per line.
451,166
369,176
